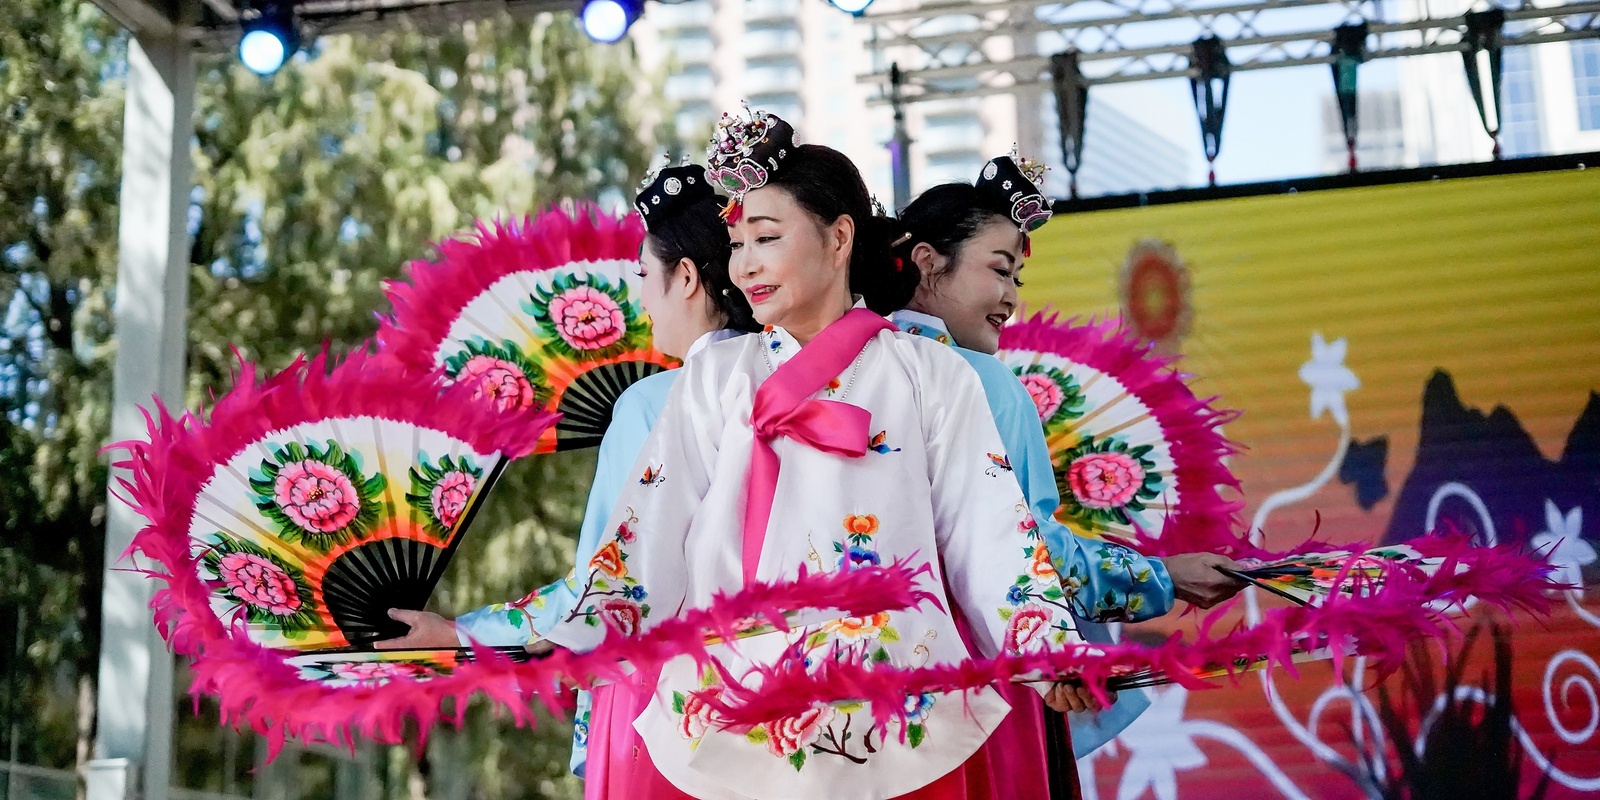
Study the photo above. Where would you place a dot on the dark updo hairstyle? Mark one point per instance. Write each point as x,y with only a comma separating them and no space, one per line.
697,232
945,218
827,185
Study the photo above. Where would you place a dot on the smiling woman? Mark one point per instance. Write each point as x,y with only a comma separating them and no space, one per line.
828,441
810,225
968,242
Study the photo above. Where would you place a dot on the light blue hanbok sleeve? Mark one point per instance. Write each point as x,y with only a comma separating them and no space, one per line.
1109,582
519,621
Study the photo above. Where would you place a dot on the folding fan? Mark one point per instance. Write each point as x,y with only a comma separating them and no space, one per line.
1154,677
1136,453
1309,579
542,313
310,504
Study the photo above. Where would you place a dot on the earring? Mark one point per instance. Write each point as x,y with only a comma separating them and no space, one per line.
724,292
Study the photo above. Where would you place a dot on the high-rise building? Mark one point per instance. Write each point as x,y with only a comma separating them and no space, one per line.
1549,103
1380,133
1120,154
796,58
801,59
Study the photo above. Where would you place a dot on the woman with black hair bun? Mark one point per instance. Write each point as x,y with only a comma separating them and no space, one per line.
968,243
817,445
691,302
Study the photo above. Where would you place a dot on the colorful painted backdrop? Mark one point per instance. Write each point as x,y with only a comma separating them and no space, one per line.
1405,356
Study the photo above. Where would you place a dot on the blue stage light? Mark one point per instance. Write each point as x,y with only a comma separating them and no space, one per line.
607,21
854,7
263,51
269,39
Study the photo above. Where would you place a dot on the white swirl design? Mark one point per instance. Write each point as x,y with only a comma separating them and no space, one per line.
1584,684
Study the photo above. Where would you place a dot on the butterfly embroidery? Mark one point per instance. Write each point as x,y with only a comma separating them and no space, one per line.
878,446
652,477
998,464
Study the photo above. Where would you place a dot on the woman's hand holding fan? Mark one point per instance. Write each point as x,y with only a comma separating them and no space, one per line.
429,631
1204,579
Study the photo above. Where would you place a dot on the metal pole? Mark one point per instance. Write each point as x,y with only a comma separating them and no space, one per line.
900,147
13,701
133,743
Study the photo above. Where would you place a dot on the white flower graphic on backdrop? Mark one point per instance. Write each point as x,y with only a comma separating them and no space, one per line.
1329,378
1159,748
1567,551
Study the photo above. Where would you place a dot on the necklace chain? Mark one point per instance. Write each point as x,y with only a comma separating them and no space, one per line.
855,366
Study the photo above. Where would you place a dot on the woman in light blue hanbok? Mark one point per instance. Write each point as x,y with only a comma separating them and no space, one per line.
968,242
691,303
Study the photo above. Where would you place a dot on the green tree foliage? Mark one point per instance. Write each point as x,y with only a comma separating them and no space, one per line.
312,188
60,147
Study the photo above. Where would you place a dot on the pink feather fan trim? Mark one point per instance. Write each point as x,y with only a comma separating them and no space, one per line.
258,689
1409,605
430,300
1204,518
185,452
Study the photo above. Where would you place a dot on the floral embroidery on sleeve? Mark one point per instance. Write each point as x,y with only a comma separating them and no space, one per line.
612,596
1127,578
1030,625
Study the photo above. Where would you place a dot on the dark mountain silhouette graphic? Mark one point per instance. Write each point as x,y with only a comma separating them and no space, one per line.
1493,456
1362,469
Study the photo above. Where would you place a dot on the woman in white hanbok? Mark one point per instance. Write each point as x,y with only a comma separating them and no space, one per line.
828,441
684,287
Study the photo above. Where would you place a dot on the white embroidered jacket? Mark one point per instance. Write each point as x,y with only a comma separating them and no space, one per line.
934,483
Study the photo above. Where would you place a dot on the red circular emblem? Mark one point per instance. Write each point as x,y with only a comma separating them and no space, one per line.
1155,293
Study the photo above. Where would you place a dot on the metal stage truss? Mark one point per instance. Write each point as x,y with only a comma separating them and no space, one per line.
975,49
213,25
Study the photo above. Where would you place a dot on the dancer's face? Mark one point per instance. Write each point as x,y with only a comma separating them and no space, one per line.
975,290
793,268
675,301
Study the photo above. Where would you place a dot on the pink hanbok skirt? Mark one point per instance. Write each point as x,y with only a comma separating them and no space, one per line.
1010,766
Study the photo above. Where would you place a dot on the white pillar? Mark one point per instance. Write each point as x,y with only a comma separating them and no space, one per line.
133,745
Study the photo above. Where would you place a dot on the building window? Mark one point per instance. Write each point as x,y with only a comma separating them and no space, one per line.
786,105
1586,82
1520,132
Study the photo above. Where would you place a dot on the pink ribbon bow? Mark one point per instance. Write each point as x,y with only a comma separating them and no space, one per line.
783,407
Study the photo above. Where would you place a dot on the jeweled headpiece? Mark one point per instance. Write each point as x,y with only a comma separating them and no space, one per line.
667,190
743,154
1013,183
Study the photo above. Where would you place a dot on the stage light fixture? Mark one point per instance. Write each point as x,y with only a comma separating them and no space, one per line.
852,7
607,21
269,38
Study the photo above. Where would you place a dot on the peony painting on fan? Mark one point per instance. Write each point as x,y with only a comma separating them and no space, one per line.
1137,456
303,507
544,313
288,519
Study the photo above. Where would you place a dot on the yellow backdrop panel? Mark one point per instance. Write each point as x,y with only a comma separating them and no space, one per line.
1496,280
